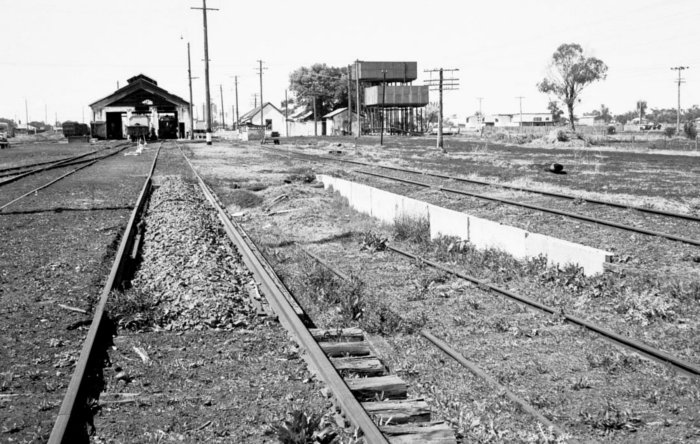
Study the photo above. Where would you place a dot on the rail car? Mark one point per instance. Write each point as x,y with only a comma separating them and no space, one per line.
75,129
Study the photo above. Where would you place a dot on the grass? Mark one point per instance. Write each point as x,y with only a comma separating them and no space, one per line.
300,428
133,309
610,418
245,199
416,230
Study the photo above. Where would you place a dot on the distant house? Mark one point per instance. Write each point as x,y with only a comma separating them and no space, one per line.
476,121
272,118
591,120
338,122
301,123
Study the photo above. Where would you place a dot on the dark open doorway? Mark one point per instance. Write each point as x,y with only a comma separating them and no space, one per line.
114,126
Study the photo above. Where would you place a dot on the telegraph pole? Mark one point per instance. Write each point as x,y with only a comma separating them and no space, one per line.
286,113
521,109
262,104
481,115
357,91
26,115
206,69
680,80
442,84
350,98
381,133
221,94
189,78
237,113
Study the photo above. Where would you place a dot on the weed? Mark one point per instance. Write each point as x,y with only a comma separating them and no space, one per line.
501,324
613,362
372,242
611,418
350,298
684,291
299,429
581,383
646,306
385,321
133,309
412,229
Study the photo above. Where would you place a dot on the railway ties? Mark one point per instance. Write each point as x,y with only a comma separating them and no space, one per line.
336,352
383,396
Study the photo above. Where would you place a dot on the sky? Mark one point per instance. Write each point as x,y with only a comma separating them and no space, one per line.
61,56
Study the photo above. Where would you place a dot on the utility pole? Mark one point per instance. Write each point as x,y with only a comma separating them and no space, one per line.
315,119
255,100
235,79
381,133
442,84
286,113
233,117
206,69
189,78
46,114
357,91
262,104
521,109
350,98
221,94
680,80
481,115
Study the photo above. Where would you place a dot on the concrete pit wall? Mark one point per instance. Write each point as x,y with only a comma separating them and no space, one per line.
482,233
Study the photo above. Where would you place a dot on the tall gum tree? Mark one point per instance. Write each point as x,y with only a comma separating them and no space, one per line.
569,73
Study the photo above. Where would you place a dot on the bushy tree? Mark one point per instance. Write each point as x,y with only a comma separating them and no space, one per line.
570,72
604,114
556,112
328,83
691,132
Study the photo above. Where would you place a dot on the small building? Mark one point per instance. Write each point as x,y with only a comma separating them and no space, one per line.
532,119
338,122
272,118
141,107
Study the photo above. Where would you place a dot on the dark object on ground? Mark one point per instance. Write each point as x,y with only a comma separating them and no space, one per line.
335,152
4,143
556,168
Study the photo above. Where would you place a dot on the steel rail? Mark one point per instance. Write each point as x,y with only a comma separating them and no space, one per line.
478,372
471,366
511,187
61,433
33,165
46,185
54,165
256,264
539,208
89,163
632,344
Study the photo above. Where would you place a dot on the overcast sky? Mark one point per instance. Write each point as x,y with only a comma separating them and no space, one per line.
61,56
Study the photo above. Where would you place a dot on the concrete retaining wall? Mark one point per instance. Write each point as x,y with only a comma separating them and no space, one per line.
482,233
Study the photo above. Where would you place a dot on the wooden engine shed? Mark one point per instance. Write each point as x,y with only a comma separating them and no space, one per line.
140,109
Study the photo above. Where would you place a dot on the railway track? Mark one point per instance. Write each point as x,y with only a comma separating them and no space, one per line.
20,172
405,420
539,208
62,164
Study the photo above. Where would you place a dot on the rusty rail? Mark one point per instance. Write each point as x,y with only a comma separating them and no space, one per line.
61,432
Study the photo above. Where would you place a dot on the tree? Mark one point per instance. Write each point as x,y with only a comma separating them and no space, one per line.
328,83
553,108
604,114
570,72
